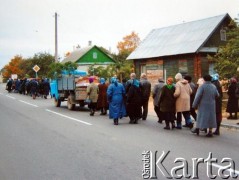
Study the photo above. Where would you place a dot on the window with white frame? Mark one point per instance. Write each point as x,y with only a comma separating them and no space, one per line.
94,55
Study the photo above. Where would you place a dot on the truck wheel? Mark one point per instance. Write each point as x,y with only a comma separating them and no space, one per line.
57,102
70,106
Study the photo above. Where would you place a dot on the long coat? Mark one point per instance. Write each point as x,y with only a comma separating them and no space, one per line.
205,103
115,95
219,99
232,104
167,100
92,91
134,102
182,93
146,89
46,87
102,98
157,91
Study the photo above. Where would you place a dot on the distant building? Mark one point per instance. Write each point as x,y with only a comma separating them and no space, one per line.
1,78
91,55
181,48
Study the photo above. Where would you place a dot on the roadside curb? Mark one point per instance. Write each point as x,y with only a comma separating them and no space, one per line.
230,126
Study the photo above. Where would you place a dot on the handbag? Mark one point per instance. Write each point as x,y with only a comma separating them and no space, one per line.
87,101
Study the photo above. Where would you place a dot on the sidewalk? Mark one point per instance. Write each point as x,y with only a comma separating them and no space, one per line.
230,124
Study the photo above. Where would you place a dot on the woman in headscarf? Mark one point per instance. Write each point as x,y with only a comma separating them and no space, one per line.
102,103
92,91
134,102
232,105
115,95
167,103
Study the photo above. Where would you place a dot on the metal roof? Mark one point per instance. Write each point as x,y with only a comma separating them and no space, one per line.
77,54
178,39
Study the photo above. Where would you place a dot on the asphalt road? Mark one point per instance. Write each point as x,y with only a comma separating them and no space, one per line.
40,141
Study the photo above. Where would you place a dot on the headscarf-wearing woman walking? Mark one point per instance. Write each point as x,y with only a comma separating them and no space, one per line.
115,96
92,91
215,81
134,102
167,103
232,104
102,103
205,103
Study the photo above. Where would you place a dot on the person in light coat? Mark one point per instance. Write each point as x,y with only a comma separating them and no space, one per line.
182,94
92,92
205,102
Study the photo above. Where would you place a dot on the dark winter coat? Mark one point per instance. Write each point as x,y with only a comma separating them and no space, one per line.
34,86
9,85
134,102
232,105
219,99
46,87
134,95
102,98
167,100
145,88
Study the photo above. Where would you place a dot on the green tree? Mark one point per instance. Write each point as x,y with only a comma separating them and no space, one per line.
55,69
43,60
227,58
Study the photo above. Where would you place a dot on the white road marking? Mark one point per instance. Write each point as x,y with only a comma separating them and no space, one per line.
10,97
74,119
28,103
230,170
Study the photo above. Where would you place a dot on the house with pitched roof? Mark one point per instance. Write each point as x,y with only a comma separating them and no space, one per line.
90,55
181,48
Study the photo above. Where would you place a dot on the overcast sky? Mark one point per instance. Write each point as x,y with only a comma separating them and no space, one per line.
27,26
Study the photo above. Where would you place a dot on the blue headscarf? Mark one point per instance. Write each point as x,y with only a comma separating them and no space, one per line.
102,80
215,77
135,83
113,80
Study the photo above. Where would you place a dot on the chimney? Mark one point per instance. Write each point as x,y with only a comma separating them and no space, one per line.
78,46
89,43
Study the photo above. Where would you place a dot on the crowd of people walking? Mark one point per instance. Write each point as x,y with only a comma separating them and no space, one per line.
176,98
32,87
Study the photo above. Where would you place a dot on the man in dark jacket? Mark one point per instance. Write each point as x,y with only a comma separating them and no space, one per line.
215,81
192,96
146,90
156,97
